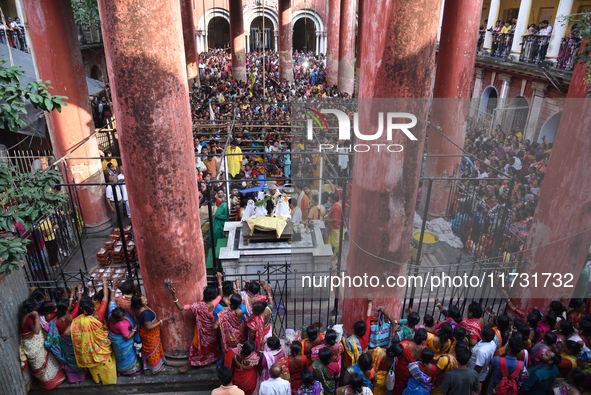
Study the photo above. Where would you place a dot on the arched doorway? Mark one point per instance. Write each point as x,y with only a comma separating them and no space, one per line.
549,128
304,35
516,114
218,33
95,73
256,34
488,103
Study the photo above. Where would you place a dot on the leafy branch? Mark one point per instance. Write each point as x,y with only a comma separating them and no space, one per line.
582,29
13,96
86,12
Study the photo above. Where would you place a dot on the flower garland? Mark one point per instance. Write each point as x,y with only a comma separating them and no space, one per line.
264,201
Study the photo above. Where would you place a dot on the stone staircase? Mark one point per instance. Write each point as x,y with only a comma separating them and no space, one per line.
197,381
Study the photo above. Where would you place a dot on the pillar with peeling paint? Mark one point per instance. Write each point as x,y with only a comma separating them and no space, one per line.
559,239
453,83
332,50
347,47
237,40
397,61
148,75
62,65
187,11
285,41
359,41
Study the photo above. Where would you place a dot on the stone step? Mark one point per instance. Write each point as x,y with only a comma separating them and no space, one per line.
197,381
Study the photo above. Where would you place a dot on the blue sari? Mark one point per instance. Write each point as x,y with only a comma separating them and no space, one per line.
62,348
356,369
125,356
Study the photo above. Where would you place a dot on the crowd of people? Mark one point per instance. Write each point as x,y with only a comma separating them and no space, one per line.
68,335
509,171
12,32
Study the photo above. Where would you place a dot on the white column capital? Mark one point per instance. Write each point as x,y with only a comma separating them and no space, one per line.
539,89
506,78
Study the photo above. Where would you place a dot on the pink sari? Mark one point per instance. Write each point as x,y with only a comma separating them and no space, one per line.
269,358
232,329
256,324
204,349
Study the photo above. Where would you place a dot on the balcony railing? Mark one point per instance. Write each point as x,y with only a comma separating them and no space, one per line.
501,44
569,47
534,48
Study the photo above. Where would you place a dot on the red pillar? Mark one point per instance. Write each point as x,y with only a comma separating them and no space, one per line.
559,239
62,65
359,41
237,40
285,41
332,50
397,61
347,47
157,149
189,40
453,83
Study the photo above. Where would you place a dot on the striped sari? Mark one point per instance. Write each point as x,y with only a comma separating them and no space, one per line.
152,351
377,355
92,348
125,356
62,348
325,374
352,351
43,365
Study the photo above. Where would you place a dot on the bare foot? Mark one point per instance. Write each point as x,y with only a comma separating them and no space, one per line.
183,369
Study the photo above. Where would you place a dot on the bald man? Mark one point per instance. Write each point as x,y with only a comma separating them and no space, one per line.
275,385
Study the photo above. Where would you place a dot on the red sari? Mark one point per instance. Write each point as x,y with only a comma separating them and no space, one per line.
244,374
291,370
256,323
204,349
402,373
232,329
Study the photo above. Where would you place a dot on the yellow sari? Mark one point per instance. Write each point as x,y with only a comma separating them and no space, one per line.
380,386
92,348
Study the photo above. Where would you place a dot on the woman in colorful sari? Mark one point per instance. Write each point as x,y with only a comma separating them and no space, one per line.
256,322
326,371
42,363
422,374
244,360
122,331
59,339
90,338
309,386
273,353
441,341
124,301
412,353
330,342
356,387
292,366
382,361
312,341
250,293
364,368
452,315
204,348
445,363
473,323
356,344
152,352
231,321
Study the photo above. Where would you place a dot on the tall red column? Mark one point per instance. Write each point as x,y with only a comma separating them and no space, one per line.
559,239
237,40
285,41
359,42
347,47
189,40
332,50
397,61
157,149
62,65
453,83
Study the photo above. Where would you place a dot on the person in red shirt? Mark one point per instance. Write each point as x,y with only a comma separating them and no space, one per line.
356,344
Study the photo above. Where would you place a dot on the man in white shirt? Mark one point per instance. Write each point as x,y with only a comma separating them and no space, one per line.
545,30
121,178
296,212
275,385
111,200
483,353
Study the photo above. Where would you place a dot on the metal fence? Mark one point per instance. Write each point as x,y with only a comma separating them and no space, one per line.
569,48
481,281
533,49
486,231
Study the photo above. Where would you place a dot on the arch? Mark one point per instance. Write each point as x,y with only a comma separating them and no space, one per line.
549,128
488,101
255,28
218,33
304,38
310,14
257,11
210,14
96,73
516,114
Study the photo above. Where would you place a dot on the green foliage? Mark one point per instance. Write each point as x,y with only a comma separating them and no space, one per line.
26,198
13,96
583,30
85,12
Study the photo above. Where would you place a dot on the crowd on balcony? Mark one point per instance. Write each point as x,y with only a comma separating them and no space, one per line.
68,335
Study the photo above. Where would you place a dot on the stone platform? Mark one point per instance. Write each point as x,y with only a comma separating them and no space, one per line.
308,255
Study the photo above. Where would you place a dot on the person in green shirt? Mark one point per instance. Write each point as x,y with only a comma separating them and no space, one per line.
541,377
